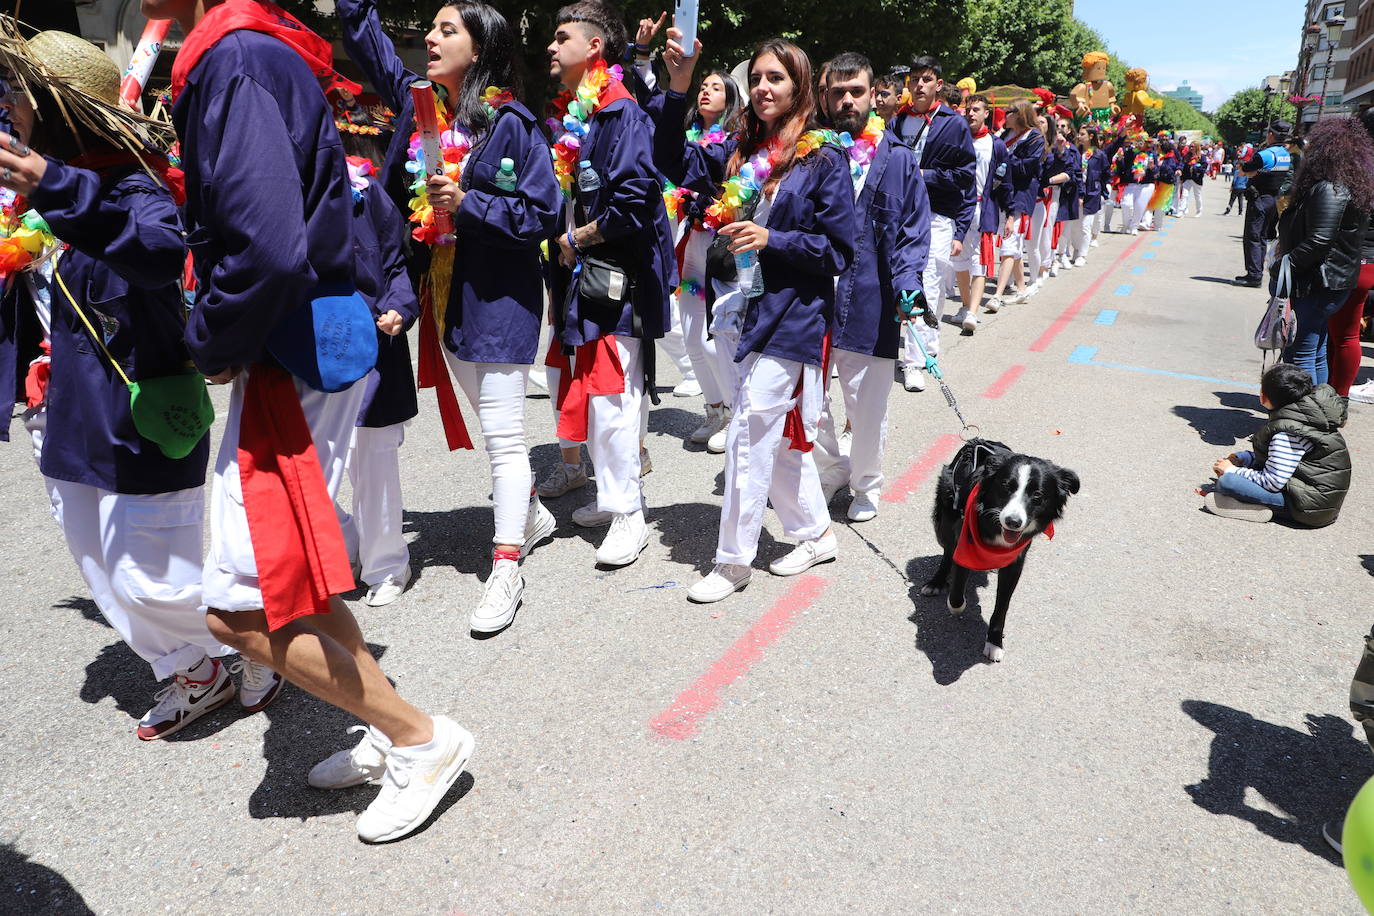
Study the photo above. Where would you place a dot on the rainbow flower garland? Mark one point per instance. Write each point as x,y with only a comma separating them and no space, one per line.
573,115
861,150
454,146
24,235
753,175
713,134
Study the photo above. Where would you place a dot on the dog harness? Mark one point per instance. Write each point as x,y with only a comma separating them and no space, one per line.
972,552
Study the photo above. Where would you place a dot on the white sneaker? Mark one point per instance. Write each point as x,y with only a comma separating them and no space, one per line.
1080,261
589,516
1023,297
352,766
625,541
958,317
721,582
1034,288
1362,394
500,598
539,526
993,305
845,442
806,555
562,479
646,464
415,781
1054,269
969,322
687,388
387,590
716,444
259,685
913,378
1135,232
184,701
1093,243
710,424
1065,264
538,378
861,508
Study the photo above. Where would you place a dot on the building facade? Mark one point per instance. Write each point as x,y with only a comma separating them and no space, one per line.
1324,66
1186,93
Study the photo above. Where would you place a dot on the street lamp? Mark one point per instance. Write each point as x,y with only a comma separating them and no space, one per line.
1334,26
1268,99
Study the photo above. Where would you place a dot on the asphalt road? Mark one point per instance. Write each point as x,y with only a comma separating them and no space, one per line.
1167,734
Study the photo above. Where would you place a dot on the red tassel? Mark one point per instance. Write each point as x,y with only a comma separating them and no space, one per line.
432,372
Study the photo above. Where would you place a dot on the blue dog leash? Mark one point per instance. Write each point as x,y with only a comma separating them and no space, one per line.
912,305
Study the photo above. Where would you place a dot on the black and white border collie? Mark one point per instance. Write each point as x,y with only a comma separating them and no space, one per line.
1018,498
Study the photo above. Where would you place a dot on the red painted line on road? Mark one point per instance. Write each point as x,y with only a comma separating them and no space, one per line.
680,720
1004,382
1043,342
904,486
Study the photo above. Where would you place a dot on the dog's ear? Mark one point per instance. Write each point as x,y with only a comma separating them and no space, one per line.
1068,481
990,466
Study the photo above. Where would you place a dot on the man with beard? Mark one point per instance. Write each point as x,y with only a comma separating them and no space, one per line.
892,239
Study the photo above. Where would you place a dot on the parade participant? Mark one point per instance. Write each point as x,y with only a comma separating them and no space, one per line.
269,209
615,263
1025,152
1130,158
500,190
1193,173
977,260
892,218
1095,171
887,96
784,212
1040,251
373,530
1166,171
944,145
128,495
1069,216
1266,172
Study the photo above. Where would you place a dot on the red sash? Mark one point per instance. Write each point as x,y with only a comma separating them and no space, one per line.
987,248
597,370
973,553
794,427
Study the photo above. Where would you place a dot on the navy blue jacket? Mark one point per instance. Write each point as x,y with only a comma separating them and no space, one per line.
496,300
378,242
124,267
993,198
628,210
891,242
1069,161
267,195
810,238
1023,174
1166,169
947,161
1095,168
1196,171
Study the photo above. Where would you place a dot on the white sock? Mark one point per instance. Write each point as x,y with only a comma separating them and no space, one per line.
202,670
431,745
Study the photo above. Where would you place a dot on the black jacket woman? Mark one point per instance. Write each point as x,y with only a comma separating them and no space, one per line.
1320,235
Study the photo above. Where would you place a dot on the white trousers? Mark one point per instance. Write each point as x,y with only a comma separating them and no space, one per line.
1109,206
373,532
1193,190
968,260
496,392
140,557
1038,248
674,341
1088,226
555,377
231,572
759,465
865,382
613,433
717,386
1133,204
1069,238
939,271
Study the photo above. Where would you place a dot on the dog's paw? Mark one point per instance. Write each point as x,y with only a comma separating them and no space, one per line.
992,653
930,589
949,603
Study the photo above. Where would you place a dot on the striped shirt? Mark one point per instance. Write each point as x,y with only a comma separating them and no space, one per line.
1285,453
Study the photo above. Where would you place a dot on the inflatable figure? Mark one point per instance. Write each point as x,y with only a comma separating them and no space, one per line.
1137,99
1094,99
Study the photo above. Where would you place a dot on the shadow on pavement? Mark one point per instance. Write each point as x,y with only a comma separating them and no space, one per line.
1242,400
1367,561
952,642
32,888
118,673
1308,776
1224,281
85,607
675,422
1218,425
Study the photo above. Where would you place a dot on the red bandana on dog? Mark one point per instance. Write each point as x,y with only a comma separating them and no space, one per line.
972,553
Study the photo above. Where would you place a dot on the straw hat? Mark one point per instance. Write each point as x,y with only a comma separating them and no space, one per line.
78,63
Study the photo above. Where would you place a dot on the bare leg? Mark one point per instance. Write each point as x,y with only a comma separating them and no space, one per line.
325,655
572,455
962,278
975,299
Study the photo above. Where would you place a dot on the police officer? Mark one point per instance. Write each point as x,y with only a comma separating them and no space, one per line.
1268,170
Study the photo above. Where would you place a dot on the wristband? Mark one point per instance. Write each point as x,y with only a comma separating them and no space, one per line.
573,244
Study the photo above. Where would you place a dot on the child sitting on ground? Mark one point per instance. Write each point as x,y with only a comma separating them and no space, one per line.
1299,468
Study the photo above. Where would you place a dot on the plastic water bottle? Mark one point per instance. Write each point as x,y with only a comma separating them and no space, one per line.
747,265
587,179
505,178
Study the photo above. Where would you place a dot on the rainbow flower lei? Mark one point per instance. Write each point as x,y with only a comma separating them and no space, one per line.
24,235
454,145
574,111
861,150
753,175
713,134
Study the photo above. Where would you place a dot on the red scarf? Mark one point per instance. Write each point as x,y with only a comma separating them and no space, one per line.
972,553
258,16
982,132
104,160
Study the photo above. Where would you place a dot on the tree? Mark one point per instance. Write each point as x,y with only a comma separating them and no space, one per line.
1029,43
1178,115
1248,110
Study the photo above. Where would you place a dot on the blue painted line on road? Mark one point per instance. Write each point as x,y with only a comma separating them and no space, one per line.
1138,269
1157,242
1147,255
1123,290
1087,356
1162,232
1106,316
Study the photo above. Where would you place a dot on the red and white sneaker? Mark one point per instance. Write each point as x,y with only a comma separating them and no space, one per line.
184,701
259,685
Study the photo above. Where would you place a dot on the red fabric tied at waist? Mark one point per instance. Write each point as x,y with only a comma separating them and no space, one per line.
432,372
972,553
297,541
1025,225
794,427
987,252
37,378
1058,231
597,370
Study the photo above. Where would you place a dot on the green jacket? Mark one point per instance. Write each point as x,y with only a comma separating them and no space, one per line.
1317,488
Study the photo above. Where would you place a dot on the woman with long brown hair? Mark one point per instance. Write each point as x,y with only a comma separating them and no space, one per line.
1017,195
783,210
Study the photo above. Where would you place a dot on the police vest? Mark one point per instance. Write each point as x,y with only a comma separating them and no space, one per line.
1273,172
